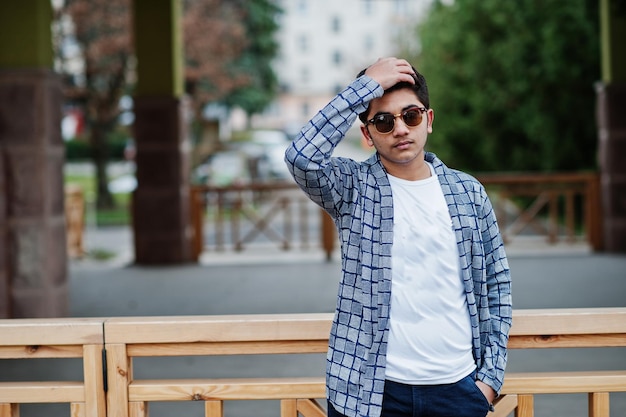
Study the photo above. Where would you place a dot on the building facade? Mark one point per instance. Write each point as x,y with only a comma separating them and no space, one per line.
325,43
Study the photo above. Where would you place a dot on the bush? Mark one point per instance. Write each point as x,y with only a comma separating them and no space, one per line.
80,150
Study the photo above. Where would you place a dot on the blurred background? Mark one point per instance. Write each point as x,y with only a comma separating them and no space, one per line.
166,121
512,84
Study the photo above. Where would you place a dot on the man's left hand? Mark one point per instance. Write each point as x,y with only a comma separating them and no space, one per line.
487,391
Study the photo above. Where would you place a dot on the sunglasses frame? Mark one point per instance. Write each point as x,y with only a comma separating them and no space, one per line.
402,114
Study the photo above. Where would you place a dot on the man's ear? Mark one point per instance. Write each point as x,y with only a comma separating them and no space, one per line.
366,139
431,117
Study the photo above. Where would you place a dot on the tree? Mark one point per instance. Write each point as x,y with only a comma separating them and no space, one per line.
214,37
512,83
227,44
254,64
101,28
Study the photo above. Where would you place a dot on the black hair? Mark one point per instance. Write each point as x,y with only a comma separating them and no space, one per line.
419,88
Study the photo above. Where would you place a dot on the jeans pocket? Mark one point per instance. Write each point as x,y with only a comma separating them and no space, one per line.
474,392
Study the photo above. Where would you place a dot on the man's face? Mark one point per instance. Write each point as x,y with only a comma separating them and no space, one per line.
402,149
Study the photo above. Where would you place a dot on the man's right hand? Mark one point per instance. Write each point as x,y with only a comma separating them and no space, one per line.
390,71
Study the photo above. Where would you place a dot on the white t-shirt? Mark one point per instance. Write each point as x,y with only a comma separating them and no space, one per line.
430,339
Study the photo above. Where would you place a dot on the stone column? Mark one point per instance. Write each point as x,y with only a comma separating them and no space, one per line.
33,158
161,217
33,254
611,118
612,151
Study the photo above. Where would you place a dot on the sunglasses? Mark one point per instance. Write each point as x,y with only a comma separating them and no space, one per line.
385,122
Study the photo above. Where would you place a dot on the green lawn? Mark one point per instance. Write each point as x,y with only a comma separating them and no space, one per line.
119,216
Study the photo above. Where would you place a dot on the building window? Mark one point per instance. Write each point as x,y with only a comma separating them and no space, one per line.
335,24
368,7
368,43
305,109
400,6
337,58
303,43
304,75
302,7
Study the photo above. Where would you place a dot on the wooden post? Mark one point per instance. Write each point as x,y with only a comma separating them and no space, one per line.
599,404
288,408
525,406
329,235
119,375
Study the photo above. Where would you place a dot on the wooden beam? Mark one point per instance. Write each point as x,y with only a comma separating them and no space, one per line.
564,382
226,389
234,328
42,392
37,332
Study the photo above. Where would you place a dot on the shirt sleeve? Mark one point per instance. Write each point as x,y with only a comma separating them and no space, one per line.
498,277
309,157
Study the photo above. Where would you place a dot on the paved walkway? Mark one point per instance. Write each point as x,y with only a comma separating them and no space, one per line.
261,282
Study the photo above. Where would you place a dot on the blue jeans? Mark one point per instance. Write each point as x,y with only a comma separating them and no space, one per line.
460,399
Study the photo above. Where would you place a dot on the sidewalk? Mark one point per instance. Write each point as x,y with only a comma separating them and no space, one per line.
117,242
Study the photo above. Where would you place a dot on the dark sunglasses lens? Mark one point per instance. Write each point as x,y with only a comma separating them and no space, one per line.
384,123
412,117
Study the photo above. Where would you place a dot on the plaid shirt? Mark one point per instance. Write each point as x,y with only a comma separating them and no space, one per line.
358,197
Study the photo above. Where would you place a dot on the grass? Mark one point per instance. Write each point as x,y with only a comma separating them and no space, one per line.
117,216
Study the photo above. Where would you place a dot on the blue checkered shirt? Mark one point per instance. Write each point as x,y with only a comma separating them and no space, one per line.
357,195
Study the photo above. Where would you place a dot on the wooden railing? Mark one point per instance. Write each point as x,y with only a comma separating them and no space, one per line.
55,338
233,217
276,213
126,339
552,207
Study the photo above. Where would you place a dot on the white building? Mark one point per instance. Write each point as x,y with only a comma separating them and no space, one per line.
325,43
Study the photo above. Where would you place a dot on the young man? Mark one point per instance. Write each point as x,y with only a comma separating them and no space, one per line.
424,306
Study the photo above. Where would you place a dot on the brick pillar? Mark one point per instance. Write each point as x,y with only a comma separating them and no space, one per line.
33,250
5,295
161,217
161,214
612,150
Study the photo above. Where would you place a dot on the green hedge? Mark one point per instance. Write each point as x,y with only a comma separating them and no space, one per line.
80,149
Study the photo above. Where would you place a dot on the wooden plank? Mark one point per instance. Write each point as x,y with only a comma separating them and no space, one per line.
42,392
9,410
564,382
569,321
228,348
93,371
504,405
57,331
79,410
234,328
567,341
525,406
41,351
226,389
536,178
310,408
599,405
289,408
213,409
241,328
119,374
138,409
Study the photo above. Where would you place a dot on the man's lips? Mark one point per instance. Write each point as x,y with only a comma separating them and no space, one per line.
403,145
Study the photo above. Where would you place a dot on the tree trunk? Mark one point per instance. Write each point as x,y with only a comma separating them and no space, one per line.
104,199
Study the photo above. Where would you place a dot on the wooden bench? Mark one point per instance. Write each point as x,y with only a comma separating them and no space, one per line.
564,328
308,333
54,338
129,338
136,337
